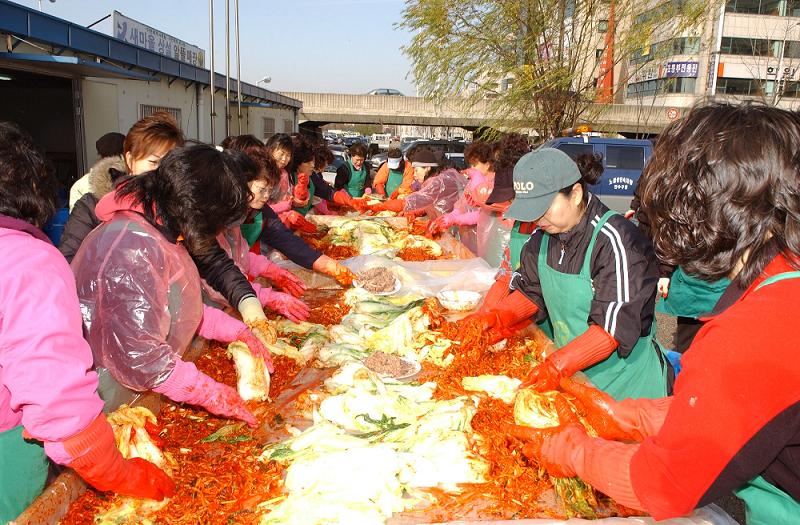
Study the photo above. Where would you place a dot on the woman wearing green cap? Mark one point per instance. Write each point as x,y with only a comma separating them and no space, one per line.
591,273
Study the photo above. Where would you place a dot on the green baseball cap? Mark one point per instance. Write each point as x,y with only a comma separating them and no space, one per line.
538,176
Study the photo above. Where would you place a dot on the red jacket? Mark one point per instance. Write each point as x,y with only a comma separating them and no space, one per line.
736,407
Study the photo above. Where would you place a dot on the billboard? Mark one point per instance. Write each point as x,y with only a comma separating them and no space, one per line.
681,69
144,36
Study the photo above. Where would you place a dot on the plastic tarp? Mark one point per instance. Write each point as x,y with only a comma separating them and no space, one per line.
427,278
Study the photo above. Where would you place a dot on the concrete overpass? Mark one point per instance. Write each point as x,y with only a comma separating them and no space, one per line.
320,109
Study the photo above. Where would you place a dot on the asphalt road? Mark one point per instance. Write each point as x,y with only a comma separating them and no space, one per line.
666,336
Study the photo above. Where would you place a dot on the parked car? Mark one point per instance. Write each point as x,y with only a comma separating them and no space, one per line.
623,160
438,147
457,160
377,159
329,173
386,92
349,141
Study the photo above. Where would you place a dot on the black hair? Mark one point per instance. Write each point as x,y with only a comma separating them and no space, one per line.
196,191
722,184
591,167
480,151
322,155
279,141
255,149
302,152
28,188
358,149
509,150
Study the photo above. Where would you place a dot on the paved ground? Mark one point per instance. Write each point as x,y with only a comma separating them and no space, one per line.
666,336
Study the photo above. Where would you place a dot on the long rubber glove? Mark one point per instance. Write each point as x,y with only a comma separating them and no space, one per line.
629,419
301,188
260,266
342,198
343,275
219,326
454,218
186,384
504,321
295,221
395,205
93,454
606,465
496,294
592,346
288,306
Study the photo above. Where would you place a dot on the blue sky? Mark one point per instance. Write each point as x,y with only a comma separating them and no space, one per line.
337,46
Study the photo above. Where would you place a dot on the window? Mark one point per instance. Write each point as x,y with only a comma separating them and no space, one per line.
145,110
687,45
575,150
625,157
288,126
661,86
750,46
764,7
740,86
602,26
269,127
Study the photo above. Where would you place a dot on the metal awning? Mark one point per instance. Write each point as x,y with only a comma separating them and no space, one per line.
68,66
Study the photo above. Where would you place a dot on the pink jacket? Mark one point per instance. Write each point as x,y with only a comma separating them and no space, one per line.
140,296
46,381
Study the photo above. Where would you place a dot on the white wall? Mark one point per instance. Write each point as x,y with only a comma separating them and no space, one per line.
115,105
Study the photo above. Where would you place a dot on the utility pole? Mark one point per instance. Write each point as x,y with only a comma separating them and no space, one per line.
238,71
227,68
211,36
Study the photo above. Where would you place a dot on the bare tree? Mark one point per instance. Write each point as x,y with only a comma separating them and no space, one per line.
534,63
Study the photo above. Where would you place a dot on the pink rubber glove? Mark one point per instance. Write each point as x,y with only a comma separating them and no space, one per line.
440,224
186,384
290,307
219,326
260,266
281,206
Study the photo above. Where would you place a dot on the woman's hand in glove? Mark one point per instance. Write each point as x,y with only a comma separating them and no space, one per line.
260,266
286,305
295,221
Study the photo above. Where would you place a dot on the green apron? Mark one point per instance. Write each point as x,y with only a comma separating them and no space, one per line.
766,504
516,243
691,297
355,186
568,299
305,209
393,181
252,231
23,473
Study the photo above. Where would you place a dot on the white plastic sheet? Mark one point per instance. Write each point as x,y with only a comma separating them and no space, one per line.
428,278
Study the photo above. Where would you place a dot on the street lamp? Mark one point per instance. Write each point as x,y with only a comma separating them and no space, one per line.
40,3
265,80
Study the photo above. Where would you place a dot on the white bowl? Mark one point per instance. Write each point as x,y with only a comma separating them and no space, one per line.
459,300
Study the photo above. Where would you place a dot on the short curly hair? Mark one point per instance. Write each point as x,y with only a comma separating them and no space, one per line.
721,185
28,188
509,150
480,151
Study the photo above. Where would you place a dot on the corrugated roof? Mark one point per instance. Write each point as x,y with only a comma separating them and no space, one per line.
42,28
